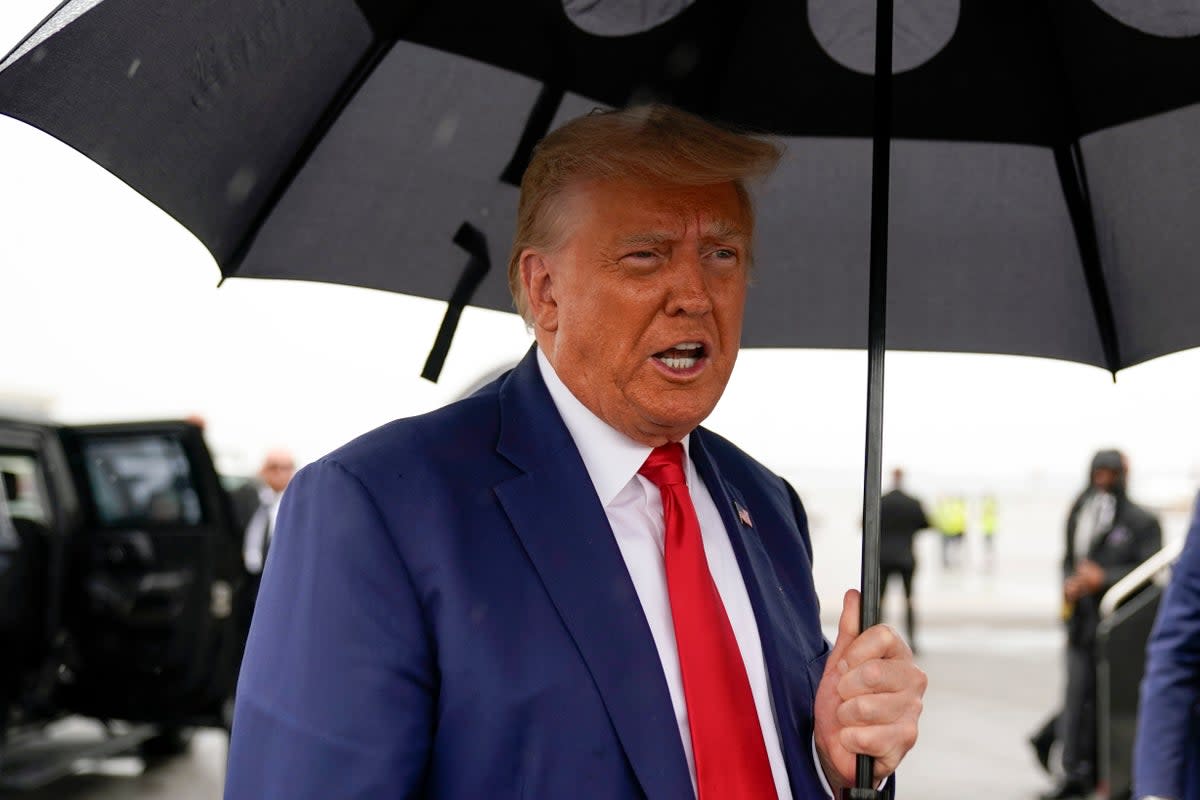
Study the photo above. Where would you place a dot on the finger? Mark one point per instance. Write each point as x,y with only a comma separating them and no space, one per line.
887,744
848,628
851,622
886,708
883,676
878,641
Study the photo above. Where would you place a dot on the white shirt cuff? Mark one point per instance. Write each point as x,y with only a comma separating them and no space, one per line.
821,770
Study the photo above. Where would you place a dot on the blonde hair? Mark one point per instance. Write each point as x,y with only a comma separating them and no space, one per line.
653,143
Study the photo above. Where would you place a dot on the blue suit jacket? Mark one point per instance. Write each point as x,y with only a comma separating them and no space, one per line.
446,614
1167,752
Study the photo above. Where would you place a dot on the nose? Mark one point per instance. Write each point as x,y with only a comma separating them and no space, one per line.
688,291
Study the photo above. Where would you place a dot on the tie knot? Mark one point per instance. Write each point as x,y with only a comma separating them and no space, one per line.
664,466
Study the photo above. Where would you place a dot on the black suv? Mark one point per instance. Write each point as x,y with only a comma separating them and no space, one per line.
121,587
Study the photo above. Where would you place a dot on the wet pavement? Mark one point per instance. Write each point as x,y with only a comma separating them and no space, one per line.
989,686
199,775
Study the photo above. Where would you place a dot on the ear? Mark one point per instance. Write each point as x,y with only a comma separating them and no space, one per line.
539,290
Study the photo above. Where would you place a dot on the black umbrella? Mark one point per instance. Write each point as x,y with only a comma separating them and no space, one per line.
1043,177
1044,182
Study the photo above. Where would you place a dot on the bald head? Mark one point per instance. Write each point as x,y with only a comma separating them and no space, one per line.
277,469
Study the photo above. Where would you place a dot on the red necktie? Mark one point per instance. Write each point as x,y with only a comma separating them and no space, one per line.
727,741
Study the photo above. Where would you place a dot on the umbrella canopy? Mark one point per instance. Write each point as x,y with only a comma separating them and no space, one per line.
1044,181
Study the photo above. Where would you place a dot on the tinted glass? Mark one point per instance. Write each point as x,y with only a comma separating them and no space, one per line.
141,480
23,487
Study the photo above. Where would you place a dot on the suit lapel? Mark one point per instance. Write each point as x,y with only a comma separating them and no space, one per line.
777,625
555,512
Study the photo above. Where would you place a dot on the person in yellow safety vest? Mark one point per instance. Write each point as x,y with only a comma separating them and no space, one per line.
987,525
951,520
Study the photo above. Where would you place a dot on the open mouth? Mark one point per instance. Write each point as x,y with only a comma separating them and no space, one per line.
682,357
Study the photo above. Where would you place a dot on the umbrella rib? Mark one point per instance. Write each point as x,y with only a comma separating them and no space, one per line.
358,76
541,116
1071,174
1068,158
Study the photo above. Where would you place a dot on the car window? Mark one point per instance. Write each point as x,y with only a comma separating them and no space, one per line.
19,472
141,480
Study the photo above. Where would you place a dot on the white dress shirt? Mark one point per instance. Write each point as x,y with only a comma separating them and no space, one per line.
634,508
259,529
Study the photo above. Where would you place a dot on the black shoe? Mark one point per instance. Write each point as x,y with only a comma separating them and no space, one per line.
1041,747
1067,790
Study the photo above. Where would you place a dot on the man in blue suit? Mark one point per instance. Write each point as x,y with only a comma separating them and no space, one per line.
562,587
1166,761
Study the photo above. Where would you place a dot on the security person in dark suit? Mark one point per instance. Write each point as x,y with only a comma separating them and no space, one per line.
900,517
1107,536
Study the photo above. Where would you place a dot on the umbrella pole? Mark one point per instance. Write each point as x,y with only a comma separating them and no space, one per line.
876,341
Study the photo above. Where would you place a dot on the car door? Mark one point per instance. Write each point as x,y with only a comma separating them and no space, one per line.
157,564
30,560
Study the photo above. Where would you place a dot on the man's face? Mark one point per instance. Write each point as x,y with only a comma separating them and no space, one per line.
640,310
1104,479
277,470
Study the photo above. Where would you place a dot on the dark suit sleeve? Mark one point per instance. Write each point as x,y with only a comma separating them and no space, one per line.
245,501
1068,560
336,693
1171,686
1147,541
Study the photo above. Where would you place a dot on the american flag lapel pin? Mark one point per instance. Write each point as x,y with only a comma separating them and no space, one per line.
743,514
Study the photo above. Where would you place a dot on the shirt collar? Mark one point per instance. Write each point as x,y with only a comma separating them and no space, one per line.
611,458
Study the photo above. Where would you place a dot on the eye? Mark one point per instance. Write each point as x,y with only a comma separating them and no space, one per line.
724,255
641,259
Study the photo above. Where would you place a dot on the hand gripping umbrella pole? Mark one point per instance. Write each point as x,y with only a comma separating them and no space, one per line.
864,784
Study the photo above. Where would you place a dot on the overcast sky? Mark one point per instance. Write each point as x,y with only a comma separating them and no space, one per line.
110,310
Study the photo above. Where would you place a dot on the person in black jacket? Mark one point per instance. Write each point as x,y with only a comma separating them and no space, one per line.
1107,536
900,517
